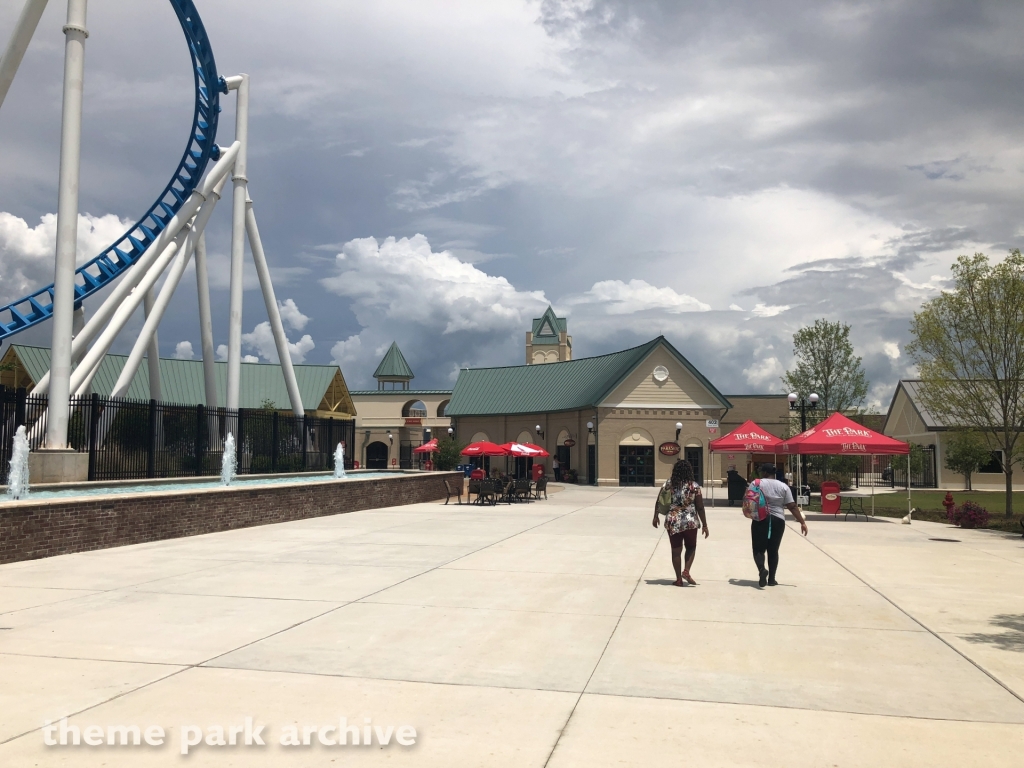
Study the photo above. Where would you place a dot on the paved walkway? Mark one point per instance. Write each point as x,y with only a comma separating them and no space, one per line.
539,635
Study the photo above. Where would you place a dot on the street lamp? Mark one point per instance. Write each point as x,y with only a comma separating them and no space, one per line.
451,431
795,401
391,438
590,427
540,432
679,428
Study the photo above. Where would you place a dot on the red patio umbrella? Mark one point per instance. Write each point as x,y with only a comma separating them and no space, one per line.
540,451
523,450
428,447
484,448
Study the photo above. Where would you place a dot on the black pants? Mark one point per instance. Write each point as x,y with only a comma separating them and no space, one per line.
762,542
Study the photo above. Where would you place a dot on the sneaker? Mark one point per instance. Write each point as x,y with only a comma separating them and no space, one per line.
772,583
763,581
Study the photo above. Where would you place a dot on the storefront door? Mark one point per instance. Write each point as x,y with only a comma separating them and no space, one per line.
636,465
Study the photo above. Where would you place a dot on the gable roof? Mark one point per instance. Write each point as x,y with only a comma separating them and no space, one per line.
912,389
568,386
181,381
547,327
393,365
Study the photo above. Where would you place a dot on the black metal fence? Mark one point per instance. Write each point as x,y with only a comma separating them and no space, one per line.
891,471
137,439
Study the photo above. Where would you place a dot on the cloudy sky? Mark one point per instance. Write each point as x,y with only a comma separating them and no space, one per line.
436,173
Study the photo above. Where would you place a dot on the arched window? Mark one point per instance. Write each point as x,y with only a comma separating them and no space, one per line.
442,408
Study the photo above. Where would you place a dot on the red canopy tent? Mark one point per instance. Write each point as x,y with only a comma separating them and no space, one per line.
428,447
839,434
748,437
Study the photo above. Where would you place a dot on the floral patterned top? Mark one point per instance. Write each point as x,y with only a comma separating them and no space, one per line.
682,514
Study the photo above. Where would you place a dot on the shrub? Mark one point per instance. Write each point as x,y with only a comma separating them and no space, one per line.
970,514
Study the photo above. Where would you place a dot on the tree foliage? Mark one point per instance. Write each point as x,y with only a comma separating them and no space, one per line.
969,347
448,454
827,366
967,451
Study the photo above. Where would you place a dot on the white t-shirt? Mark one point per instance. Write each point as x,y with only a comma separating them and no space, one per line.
777,494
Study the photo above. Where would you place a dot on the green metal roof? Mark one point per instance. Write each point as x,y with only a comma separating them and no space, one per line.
181,381
547,327
568,386
393,366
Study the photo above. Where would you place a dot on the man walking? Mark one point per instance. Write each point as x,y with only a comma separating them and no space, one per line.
766,535
556,467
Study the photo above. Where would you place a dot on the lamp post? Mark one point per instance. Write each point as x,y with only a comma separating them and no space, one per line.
795,401
591,465
679,428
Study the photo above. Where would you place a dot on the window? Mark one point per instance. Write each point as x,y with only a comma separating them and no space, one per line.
995,464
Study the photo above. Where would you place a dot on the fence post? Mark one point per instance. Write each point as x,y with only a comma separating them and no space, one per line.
240,440
200,431
330,441
94,421
273,443
151,444
305,442
20,402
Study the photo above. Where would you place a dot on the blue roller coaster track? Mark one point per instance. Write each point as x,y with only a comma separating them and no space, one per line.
126,251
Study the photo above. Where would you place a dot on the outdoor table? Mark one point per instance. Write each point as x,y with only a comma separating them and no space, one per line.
854,505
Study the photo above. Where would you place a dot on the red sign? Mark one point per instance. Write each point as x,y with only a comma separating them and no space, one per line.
413,422
669,449
569,442
393,462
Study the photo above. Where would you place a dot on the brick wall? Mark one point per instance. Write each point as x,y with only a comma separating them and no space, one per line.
34,529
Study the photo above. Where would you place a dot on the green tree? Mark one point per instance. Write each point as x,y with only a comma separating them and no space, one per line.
969,347
967,451
448,454
826,365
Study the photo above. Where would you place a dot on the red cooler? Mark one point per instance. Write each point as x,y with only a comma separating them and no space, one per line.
538,472
830,500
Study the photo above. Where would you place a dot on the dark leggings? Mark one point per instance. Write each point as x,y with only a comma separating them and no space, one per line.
762,542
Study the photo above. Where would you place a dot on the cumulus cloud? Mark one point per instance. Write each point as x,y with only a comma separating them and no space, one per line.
291,316
27,252
620,298
183,351
261,339
222,355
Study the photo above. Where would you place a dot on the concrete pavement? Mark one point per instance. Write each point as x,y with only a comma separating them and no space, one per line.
546,634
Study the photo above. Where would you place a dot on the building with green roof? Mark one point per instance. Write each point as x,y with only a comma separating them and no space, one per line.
612,418
393,370
322,387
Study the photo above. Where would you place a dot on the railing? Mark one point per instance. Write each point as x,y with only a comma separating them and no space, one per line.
137,439
891,471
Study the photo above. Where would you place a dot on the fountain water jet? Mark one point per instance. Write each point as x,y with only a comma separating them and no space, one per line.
17,481
339,462
229,461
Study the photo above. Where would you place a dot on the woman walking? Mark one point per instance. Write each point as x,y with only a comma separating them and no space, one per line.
684,518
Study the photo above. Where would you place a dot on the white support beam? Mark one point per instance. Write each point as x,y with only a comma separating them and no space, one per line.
153,347
83,374
21,35
156,251
143,344
237,241
273,312
206,323
67,226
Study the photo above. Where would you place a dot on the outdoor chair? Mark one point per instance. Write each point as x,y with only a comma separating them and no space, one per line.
522,490
541,487
508,494
488,492
474,487
450,492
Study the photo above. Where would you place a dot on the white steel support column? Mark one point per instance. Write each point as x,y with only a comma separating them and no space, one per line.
18,44
83,374
273,313
153,348
159,307
67,225
206,323
156,254
241,85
